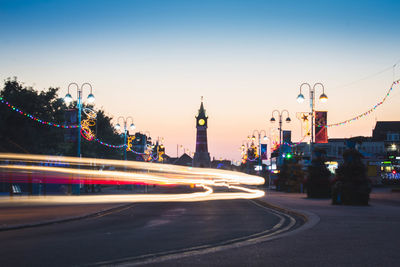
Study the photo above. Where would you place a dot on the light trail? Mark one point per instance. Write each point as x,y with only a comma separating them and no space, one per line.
20,168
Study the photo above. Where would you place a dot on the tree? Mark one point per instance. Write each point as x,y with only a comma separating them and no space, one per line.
318,180
20,134
351,185
291,175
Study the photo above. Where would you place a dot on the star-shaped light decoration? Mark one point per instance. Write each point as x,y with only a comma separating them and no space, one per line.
304,117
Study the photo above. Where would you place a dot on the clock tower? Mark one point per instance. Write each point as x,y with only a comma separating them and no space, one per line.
201,156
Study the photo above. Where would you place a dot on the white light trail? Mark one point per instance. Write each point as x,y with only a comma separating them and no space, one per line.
129,172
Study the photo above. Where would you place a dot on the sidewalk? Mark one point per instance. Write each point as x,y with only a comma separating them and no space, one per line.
345,235
335,236
378,197
21,216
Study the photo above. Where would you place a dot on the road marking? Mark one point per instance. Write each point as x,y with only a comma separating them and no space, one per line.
154,223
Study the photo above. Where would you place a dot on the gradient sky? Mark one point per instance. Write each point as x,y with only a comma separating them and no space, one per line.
153,60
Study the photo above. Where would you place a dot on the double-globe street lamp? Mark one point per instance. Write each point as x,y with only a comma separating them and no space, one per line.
125,123
68,99
259,132
323,98
280,114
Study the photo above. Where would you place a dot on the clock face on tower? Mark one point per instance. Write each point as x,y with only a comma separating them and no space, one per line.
201,122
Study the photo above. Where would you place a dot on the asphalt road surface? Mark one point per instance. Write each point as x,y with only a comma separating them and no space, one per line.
139,231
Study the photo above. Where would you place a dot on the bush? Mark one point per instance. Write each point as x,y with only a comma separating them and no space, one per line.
351,185
318,180
291,176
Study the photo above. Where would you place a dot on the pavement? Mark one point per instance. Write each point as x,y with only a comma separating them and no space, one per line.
340,236
31,216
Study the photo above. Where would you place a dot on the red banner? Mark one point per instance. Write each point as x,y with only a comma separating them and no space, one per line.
321,132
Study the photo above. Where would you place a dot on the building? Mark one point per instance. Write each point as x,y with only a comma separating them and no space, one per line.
221,164
388,132
336,146
201,156
184,160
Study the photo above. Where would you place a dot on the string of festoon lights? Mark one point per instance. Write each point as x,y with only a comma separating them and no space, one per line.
365,113
349,120
38,120
30,116
85,131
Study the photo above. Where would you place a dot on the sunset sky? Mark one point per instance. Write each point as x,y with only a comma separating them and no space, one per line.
153,60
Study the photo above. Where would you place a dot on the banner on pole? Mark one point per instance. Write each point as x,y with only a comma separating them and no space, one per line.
264,154
287,137
321,132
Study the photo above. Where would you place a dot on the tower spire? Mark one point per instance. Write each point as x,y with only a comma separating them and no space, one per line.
202,111
201,156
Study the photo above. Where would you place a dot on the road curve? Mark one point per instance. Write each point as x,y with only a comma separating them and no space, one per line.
146,231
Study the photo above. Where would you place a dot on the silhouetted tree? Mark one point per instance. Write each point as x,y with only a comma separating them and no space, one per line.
318,179
351,186
291,176
20,134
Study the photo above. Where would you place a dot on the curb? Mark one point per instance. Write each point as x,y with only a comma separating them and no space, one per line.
282,209
307,216
310,219
68,219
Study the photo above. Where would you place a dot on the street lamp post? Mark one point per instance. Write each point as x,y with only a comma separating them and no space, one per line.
280,114
259,145
323,98
68,99
118,127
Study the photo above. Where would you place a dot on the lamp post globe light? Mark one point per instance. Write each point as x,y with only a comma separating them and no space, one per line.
68,99
259,133
125,129
323,98
280,114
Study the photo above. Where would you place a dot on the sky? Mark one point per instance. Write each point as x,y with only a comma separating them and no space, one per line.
153,60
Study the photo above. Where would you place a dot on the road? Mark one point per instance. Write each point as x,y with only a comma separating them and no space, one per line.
131,234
